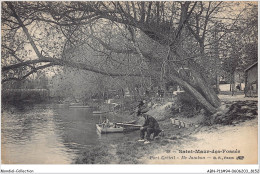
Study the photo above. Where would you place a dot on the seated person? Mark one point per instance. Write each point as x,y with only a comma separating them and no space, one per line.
106,123
150,125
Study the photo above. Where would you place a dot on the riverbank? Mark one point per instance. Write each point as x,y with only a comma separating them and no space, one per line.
238,117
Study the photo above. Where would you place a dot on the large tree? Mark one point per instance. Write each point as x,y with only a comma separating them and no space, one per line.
145,39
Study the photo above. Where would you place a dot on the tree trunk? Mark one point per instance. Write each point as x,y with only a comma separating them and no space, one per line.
204,86
217,83
196,85
193,92
233,83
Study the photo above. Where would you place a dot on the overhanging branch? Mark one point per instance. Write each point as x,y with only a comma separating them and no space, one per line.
29,73
25,63
71,64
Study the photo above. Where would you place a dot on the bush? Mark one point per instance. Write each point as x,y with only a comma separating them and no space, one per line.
186,103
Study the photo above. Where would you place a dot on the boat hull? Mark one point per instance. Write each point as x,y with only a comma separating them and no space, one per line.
105,129
79,106
99,112
129,126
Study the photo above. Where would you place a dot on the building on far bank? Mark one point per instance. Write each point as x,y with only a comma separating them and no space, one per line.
251,80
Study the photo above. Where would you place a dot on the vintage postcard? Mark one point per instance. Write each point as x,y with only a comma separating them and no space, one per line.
129,82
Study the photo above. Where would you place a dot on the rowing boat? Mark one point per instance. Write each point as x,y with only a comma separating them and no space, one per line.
109,128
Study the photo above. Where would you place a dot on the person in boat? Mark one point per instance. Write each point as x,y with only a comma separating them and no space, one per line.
106,123
150,125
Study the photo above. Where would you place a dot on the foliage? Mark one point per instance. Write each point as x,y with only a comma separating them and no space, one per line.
142,42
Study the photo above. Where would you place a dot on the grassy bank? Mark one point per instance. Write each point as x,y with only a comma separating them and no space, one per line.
130,151
127,152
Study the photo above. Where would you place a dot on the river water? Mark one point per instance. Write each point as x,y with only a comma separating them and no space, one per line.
47,134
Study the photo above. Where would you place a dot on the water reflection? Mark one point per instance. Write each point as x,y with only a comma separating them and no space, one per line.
30,137
44,134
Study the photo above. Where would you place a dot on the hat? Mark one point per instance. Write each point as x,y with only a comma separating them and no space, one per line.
141,111
144,110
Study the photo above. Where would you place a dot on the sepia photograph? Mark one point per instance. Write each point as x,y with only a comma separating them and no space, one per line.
129,82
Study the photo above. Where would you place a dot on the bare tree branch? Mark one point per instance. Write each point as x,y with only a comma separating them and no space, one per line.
68,63
34,70
24,63
184,21
10,5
